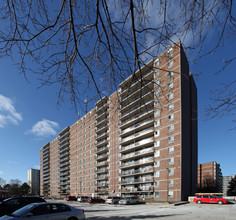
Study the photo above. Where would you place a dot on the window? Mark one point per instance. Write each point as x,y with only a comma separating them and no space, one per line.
170,172
171,139
171,161
157,123
170,52
170,64
157,184
157,144
171,193
157,194
157,163
157,133
170,85
157,153
157,113
171,117
157,92
170,96
156,73
170,182
156,63
171,128
171,107
171,150
157,173
157,83
157,103
170,74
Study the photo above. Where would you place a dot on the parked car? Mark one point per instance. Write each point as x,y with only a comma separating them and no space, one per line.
210,199
95,200
113,199
129,200
12,204
82,198
52,211
70,198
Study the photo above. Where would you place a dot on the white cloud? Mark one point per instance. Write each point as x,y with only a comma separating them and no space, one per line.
45,128
12,162
1,172
8,112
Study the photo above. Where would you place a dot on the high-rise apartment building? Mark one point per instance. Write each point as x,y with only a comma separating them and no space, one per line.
141,140
226,181
210,177
34,181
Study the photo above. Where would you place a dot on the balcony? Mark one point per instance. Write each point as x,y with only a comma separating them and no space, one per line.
64,154
46,155
101,128
140,107
138,190
143,124
138,98
103,163
100,114
102,184
46,160
137,154
130,147
136,117
100,143
67,163
63,149
137,181
64,132
131,81
101,121
101,150
64,159
101,136
146,84
102,170
143,133
137,172
101,191
101,157
102,177
64,142
138,162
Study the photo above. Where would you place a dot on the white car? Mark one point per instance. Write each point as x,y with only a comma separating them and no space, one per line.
129,200
52,211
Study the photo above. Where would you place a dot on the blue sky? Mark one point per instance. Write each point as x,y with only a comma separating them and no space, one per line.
30,117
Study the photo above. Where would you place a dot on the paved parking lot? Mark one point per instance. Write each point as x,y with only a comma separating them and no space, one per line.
157,211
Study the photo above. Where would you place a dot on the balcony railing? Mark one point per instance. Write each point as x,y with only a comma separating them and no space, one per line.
98,143
135,99
103,163
136,90
136,107
137,125
141,133
137,153
137,116
135,145
136,172
137,80
139,180
138,190
132,163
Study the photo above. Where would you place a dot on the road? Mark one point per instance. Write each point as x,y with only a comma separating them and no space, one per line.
157,211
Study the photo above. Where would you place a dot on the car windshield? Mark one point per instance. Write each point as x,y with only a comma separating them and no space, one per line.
23,211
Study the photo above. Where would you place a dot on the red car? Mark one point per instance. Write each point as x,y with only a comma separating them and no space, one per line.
95,200
210,199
